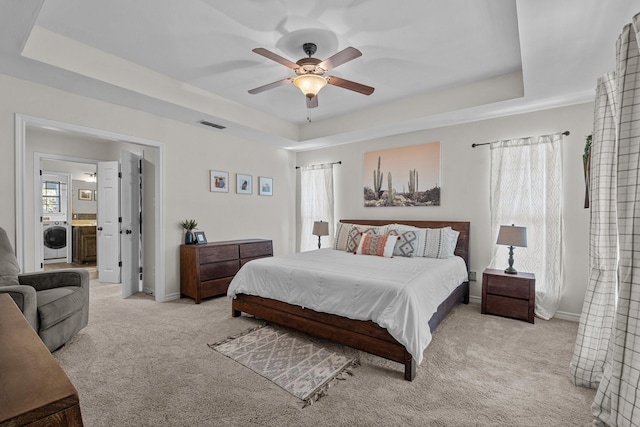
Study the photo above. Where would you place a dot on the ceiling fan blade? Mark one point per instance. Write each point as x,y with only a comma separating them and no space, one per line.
345,55
348,84
275,57
271,85
312,102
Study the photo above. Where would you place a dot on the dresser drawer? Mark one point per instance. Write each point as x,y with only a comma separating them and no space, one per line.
246,260
256,250
218,253
215,287
510,287
509,307
216,270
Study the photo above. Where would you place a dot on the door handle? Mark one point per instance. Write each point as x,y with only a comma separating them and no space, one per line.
99,229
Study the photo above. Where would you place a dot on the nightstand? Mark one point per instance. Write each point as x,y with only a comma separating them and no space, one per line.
509,295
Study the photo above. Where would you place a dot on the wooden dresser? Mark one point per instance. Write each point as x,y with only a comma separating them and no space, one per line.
34,390
509,295
206,270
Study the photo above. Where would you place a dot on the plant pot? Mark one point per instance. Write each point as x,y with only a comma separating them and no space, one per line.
188,238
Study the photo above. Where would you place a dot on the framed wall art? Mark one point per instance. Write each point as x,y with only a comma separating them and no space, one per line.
266,186
403,176
244,184
219,181
86,195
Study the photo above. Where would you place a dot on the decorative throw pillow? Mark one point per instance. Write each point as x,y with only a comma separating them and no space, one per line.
379,245
353,235
434,243
342,233
407,240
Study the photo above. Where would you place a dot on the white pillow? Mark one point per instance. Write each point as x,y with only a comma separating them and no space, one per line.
379,245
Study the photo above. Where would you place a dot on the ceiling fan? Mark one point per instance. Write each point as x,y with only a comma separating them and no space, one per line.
310,72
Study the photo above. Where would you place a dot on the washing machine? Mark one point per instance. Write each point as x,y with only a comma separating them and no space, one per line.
55,240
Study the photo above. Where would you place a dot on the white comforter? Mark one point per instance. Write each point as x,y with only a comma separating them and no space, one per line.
400,294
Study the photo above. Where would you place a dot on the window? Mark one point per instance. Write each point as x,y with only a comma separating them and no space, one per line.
51,197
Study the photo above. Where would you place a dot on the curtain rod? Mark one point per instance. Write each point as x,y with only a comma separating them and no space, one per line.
330,163
566,132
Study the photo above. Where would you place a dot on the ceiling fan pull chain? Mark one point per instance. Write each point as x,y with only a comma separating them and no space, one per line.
309,115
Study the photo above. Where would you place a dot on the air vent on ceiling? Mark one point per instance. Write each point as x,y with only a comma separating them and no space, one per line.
213,125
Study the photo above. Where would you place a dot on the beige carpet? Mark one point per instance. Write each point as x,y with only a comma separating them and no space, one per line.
140,363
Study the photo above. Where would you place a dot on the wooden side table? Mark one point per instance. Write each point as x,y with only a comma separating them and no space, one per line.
509,295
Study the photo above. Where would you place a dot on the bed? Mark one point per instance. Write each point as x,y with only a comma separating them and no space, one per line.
364,335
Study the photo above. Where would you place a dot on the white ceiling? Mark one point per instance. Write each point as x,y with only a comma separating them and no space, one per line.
432,63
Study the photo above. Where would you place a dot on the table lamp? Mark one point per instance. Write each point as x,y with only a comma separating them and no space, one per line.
510,235
320,228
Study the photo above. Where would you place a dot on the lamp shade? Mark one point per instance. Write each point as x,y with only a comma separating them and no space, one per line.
511,235
310,84
320,228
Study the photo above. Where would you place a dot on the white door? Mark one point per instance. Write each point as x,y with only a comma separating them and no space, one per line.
131,203
108,225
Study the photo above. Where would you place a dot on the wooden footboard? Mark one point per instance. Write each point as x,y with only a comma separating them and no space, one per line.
362,335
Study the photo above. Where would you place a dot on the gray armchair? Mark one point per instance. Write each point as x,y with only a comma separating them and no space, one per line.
55,303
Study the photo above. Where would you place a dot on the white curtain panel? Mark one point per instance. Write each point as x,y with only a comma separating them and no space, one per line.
596,320
526,190
316,204
617,401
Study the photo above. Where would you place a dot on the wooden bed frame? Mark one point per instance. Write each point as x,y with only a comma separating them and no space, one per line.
362,335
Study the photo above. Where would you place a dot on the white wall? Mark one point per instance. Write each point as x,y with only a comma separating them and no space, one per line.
465,185
190,152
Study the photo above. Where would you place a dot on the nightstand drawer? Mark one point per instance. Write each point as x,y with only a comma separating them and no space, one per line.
509,307
498,285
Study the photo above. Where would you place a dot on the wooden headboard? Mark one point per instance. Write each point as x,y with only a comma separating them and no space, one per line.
462,248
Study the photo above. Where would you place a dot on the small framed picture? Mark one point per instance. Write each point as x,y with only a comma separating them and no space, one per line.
219,181
85,195
244,184
201,239
266,186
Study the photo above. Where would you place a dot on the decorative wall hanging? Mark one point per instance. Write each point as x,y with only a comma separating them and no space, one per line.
219,181
266,186
405,176
85,195
244,184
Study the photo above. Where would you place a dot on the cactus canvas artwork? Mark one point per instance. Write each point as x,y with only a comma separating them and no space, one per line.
404,176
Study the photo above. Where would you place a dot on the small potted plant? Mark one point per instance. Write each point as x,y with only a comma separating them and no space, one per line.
188,225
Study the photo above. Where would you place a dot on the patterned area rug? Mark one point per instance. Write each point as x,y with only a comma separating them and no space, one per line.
295,362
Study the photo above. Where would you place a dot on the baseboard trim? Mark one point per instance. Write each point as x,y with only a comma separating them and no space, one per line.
475,300
572,317
171,297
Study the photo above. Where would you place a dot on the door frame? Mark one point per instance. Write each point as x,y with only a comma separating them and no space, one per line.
21,123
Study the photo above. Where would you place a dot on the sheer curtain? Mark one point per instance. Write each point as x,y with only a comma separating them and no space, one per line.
526,190
316,204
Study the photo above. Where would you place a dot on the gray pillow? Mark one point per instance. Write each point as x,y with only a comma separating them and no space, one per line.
9,267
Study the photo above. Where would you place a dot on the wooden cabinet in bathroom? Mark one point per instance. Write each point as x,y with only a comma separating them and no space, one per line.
84,244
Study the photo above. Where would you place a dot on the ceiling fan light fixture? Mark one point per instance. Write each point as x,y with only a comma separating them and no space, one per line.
310,84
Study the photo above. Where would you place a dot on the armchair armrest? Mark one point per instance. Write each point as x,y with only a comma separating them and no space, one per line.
25,299
55,279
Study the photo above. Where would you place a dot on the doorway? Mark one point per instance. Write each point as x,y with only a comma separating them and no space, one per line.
22,122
